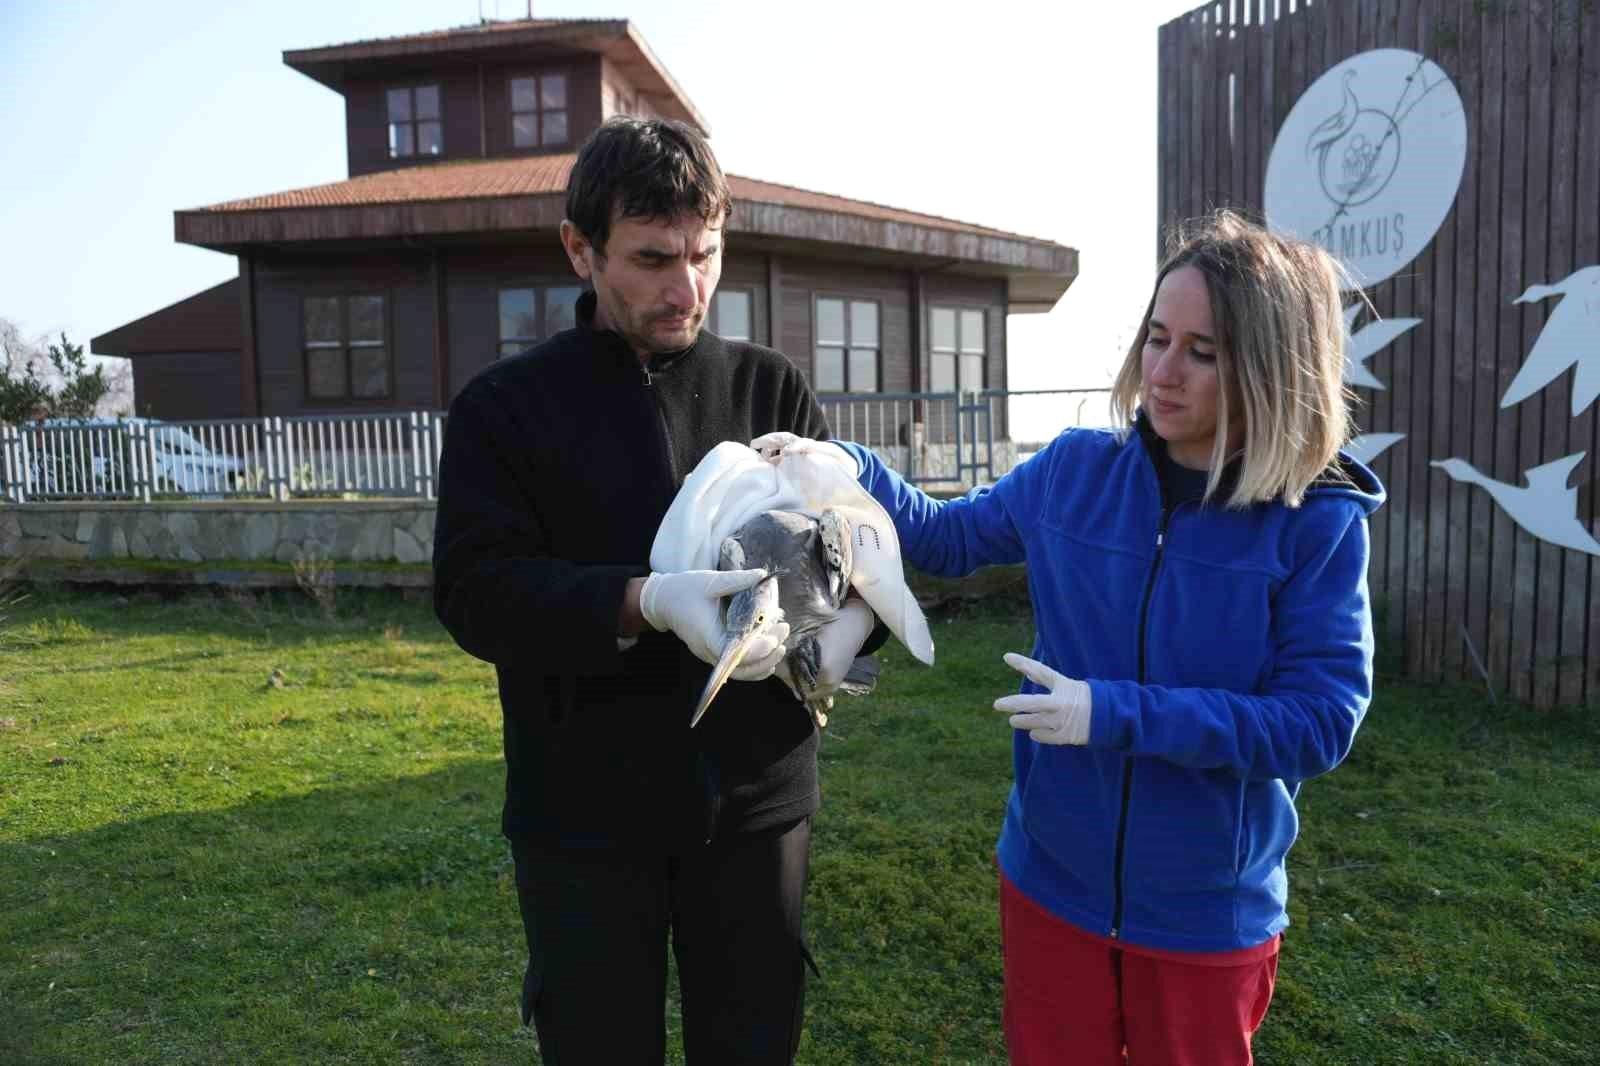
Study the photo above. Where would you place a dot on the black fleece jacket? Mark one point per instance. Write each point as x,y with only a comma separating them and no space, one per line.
558,466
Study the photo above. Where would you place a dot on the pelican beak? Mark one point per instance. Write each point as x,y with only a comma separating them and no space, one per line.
733,654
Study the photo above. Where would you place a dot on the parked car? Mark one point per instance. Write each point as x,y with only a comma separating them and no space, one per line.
94,456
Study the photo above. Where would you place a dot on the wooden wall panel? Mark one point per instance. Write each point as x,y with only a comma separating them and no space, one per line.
476,277
1414,297
986,294
1450,569
1375,407
584,86
367,119
1585,605
1467,548
1513,338
748,271
1566,251
804,280
1488,520
281,284
184,385
1549,409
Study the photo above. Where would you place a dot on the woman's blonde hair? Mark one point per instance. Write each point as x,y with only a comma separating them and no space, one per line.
1278,323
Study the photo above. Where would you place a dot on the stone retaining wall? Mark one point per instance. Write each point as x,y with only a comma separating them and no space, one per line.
399,531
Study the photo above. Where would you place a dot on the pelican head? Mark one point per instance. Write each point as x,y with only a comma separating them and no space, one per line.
747,616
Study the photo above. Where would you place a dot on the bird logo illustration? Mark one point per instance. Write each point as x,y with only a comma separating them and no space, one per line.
1357,150
1570,337
1546,507
1362,344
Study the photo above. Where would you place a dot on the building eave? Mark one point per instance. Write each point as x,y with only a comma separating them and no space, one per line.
1039,271
618,40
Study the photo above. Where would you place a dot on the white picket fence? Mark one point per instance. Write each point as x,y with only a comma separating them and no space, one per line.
954,440
393,453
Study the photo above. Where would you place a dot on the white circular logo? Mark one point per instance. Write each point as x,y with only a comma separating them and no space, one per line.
1368,162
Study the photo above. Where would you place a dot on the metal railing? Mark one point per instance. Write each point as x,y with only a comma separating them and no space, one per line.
393,453
961,439
950,439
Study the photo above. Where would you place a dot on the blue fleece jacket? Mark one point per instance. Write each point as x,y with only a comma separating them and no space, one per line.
1229,656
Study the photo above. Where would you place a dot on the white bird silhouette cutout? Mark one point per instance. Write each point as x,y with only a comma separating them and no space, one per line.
1361,345
1369,446
1571,336
1546,508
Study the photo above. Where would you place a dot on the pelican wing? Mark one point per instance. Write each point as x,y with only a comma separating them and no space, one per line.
824,480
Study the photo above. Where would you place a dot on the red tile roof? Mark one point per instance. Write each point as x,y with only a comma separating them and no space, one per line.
468,32
546,175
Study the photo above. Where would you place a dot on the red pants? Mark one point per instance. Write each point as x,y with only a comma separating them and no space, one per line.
1075,998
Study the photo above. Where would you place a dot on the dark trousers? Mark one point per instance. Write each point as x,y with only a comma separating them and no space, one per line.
598,922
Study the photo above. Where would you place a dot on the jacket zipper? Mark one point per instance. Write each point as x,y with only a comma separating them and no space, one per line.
661,423
1127,768
710,780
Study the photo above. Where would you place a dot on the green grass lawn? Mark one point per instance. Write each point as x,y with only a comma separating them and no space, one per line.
239,830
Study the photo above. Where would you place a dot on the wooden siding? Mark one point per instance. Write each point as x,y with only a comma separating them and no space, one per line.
985,294
988,295
805,280
473,129
1448,565
282,283
475,280
613,81
181,385
467,338
208,321
583,100
748,271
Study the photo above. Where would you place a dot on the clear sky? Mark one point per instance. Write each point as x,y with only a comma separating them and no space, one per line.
1036,116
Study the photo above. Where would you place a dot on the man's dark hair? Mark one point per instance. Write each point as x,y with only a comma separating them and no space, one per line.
647,169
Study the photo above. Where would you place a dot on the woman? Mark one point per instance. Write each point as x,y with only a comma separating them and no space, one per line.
1204,645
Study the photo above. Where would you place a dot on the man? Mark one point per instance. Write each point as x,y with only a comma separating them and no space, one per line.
557,468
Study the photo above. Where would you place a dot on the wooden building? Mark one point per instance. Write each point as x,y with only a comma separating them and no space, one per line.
439,253
1487,552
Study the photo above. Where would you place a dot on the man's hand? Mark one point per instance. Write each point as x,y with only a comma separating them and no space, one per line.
1059,715
688,604
771,446
839,642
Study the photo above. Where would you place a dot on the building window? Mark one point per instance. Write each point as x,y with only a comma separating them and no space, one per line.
956,356
730,315
345,354
539,111
846,358
531,315
414,127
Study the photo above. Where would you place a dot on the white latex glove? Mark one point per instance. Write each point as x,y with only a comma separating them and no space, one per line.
1059,715
689,604
770,446
839,642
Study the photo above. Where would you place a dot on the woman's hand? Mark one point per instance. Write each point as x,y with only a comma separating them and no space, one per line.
1059,715
771,446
